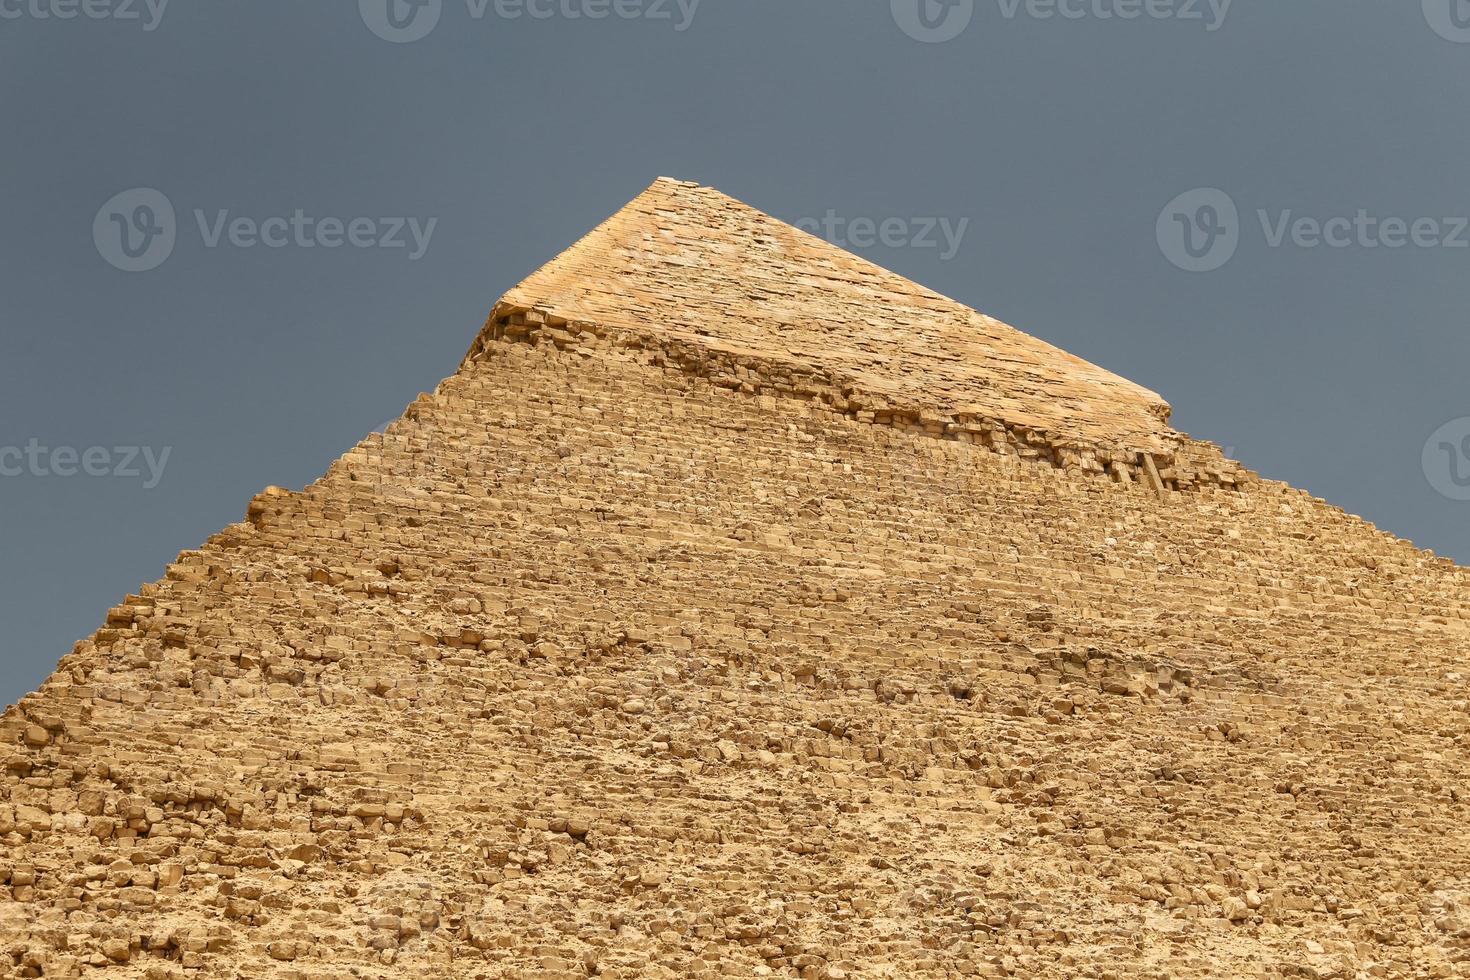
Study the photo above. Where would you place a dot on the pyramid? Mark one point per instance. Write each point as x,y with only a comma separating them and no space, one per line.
739,608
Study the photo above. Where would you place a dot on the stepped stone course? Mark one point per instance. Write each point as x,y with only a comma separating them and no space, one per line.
740,609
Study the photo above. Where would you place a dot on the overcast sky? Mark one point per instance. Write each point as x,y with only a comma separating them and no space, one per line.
237,237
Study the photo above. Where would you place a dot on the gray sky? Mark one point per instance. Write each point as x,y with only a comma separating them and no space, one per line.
1047,138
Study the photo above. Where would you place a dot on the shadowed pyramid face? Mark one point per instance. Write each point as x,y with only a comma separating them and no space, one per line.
740,609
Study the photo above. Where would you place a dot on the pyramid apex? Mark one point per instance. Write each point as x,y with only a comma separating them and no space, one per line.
686,264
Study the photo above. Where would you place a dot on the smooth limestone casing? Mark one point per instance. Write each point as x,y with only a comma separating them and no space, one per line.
607,660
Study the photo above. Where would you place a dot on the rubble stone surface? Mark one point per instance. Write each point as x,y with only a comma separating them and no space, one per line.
740,609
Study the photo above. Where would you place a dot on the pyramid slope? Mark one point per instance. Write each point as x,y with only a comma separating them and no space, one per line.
592,665
690,263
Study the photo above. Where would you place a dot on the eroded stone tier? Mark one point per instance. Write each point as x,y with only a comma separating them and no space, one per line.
1173,462
694,266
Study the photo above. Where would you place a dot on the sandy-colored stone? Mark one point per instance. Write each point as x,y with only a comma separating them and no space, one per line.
652,644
